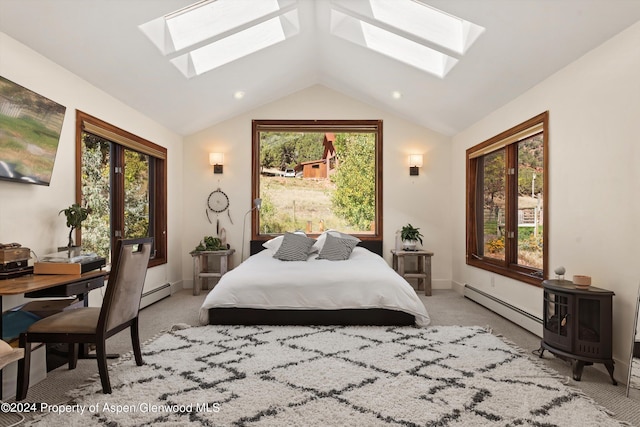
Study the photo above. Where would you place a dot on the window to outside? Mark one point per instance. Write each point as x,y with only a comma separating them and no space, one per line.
317,175
507,186
121,178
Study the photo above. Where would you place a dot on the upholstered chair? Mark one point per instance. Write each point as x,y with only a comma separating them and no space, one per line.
92,325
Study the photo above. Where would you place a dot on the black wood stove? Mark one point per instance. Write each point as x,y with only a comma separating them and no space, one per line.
578,325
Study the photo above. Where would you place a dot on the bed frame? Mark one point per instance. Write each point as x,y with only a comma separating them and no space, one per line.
252,316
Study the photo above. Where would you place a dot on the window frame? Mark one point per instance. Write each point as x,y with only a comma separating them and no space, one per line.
335,126
158,180
509,141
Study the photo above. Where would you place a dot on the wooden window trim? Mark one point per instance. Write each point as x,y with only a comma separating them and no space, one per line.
503,140
90,124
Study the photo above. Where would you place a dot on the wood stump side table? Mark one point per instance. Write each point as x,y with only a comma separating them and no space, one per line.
201,272
424,267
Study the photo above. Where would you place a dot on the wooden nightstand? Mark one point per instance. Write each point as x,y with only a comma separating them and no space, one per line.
424,267
200,267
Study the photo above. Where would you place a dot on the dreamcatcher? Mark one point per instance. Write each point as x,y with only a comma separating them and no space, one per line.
218,202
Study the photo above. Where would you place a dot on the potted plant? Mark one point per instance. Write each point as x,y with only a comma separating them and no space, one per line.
75,215
210,243
410,236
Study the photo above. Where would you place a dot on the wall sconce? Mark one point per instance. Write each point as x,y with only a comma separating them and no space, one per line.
216,160
415,162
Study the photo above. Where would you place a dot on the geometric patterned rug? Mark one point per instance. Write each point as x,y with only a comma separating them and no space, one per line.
330,376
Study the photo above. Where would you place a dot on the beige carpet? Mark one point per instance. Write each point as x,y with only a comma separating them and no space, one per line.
445,308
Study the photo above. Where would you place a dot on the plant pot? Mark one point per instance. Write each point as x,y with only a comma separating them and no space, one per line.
409,245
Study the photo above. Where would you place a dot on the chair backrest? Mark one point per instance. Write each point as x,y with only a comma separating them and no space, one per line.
126,279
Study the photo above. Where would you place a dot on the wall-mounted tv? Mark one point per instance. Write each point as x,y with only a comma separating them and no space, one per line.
30,126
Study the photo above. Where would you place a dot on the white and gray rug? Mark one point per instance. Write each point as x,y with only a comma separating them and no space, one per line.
330,376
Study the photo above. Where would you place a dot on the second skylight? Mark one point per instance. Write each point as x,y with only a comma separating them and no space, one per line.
409,31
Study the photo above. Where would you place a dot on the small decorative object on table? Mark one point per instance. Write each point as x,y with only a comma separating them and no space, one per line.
560,273
581,282
410,236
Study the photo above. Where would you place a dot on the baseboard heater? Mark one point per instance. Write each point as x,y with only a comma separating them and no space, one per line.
518,316
155,295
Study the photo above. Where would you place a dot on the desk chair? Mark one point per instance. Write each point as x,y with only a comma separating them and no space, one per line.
91,325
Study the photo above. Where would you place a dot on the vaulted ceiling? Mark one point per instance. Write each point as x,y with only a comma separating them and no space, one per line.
523,42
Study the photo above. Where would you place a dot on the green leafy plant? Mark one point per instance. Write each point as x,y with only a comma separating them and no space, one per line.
210,243
75,215
409,232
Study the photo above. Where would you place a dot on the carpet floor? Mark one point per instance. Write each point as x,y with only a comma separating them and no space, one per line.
330,376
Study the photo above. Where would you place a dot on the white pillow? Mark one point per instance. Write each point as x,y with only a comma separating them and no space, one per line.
274,244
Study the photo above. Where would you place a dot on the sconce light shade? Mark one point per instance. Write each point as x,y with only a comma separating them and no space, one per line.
216,160
415,162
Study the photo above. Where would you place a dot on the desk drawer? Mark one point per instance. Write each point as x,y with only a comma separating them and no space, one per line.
80,287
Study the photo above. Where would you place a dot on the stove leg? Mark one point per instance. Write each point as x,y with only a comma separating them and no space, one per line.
578,366
609,366
539,351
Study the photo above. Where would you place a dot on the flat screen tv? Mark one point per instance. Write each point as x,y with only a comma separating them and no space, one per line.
30,126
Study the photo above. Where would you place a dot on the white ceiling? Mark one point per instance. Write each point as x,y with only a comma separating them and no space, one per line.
525,41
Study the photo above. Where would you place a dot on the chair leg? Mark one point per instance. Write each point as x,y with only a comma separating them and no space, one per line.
135,342
24,367
101,357
73,355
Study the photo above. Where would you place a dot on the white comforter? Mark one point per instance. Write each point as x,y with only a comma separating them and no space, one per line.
365,280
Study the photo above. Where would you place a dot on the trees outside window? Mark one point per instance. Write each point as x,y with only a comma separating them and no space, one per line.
317,175
507,190
122,178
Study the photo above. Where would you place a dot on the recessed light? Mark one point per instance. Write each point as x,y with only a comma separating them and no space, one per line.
396,94
238,94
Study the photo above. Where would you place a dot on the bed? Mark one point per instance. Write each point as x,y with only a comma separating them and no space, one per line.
361,290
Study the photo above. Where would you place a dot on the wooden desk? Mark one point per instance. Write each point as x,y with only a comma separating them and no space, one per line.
51,285
38,285
424,267
201,271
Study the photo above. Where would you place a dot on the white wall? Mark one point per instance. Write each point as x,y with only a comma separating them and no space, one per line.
421,200
594,106
29,213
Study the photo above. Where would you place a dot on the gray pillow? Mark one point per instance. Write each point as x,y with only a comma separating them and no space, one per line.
337,248
317,247
294,247
344,236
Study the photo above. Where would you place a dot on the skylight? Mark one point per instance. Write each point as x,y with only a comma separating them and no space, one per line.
406,30
392,45
212,33
237,45
203,21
